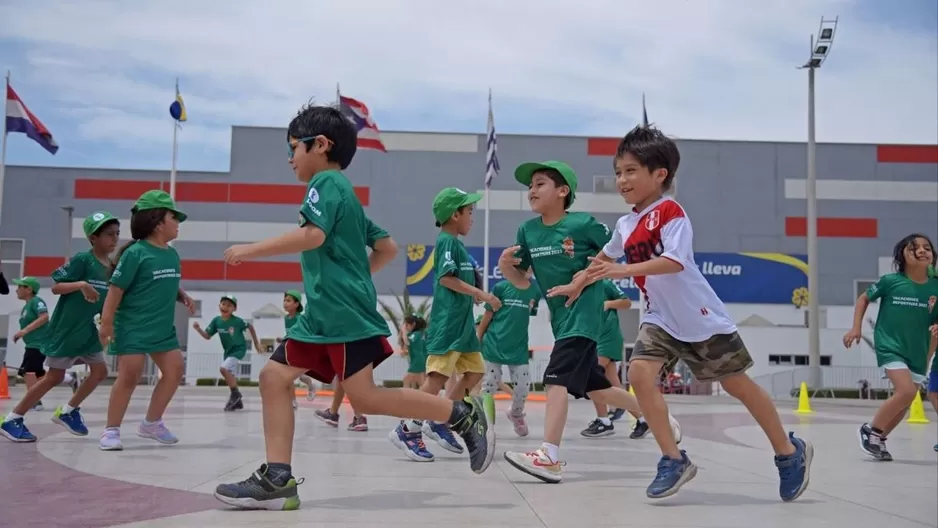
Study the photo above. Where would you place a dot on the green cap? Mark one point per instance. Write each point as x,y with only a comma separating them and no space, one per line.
156,199
525,173
449,200
29,282
232,298
295,294
97,219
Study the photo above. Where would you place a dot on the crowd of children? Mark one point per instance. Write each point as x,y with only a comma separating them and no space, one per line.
126,307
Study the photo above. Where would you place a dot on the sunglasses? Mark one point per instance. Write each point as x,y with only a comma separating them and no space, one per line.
292,144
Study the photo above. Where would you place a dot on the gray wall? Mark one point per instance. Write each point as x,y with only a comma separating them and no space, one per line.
733,191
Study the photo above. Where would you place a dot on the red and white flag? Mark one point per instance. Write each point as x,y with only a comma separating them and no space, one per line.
369,137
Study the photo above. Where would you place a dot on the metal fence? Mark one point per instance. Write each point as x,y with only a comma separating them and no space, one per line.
780,385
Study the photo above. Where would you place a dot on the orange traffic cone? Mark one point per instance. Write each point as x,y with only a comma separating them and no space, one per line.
4,384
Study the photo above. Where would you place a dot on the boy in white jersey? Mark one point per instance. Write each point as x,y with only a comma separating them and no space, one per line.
684,318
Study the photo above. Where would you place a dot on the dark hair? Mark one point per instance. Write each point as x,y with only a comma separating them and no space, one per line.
142,225
653,149
328,121
558,180
105,224
898,256
419,322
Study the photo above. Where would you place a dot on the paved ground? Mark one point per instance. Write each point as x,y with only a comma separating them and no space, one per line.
359,480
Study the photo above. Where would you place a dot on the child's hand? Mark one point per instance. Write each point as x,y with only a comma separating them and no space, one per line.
934,331
570,291
601,269
852,337
508,257
189,303
89,293
491,300
196,325
106,333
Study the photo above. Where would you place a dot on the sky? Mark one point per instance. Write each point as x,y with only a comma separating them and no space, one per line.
101,73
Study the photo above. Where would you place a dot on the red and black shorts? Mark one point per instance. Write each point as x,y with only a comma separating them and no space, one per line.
325,361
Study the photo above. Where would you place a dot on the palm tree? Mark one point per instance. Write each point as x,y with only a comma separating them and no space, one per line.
404,308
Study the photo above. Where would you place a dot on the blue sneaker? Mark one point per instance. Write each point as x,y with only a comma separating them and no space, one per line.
616,415
794,471
672,474
410,443
443,436
71,420
936,447
16,431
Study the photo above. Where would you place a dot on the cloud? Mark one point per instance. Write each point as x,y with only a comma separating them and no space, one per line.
716,69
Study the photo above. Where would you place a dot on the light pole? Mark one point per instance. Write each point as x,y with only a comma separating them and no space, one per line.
69,213
820,49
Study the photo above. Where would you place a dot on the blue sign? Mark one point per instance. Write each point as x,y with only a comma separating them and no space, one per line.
749,278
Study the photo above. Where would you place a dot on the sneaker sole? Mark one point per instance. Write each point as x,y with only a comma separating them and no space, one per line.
326,420
442,443
633,436
12,438
114,448
808,458
600,435
527,471
392,436
287,504
151,437
57,420
488,406
686,477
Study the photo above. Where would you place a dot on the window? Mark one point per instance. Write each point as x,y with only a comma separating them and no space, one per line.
12,252
605,185
801,360
825,361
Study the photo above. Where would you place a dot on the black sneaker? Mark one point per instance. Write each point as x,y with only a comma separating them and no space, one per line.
233,401
597,429
616,414
258,492
73,383
872,444
477,430
884,454
640,430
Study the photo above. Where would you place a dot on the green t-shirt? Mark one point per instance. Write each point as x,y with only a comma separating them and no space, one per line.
289,321
505,341
610,340
906,310
30,312
231,334
557,252
145,321
340,295
417,352
72,332
452,326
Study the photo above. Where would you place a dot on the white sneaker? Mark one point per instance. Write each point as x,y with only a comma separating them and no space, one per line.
537,464
676,429
111,440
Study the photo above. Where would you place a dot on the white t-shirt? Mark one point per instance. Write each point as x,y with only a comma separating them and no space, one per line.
682,303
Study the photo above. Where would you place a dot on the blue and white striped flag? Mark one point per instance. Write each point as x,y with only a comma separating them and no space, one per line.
491,153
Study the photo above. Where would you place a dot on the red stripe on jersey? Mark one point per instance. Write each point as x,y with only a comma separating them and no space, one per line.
644,242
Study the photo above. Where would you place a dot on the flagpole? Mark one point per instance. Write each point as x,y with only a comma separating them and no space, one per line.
338,95
172,172
488,209
3,148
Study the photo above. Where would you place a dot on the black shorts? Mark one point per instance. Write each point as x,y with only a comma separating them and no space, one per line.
33,360
574,364
326,361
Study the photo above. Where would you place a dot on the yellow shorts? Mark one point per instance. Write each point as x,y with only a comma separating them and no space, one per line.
455,362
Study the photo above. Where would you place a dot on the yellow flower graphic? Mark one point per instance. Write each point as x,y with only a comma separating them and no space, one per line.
799,297
415,252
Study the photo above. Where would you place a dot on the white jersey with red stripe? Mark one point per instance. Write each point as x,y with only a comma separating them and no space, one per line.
682,303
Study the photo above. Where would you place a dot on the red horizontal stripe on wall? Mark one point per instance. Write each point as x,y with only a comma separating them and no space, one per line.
196,270
601,146
797,226
208,192
907,153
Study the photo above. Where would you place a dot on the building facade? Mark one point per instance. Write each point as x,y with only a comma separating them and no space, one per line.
742,197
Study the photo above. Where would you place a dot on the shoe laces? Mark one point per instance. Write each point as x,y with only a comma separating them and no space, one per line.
666,466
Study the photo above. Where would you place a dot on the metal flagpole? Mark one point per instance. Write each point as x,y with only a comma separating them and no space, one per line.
491,171
3,149
172,172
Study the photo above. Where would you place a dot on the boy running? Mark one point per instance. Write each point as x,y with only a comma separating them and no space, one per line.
230,329
340,333
72,337
555,245
684,317
452,344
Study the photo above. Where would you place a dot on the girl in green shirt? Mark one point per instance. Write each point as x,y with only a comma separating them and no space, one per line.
139,316
293,305
414,348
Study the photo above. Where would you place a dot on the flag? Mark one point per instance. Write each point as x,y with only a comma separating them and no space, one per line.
369,137
491,151
20,119
178,109
644,112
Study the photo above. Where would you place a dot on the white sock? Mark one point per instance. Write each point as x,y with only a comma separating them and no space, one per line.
552,451
641,419
67,409
605,420
13,416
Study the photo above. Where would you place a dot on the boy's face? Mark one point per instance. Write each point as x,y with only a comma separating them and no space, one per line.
169,227
463,220
23,292
289,303
107,237
635,182
543,194
305,163
226,307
